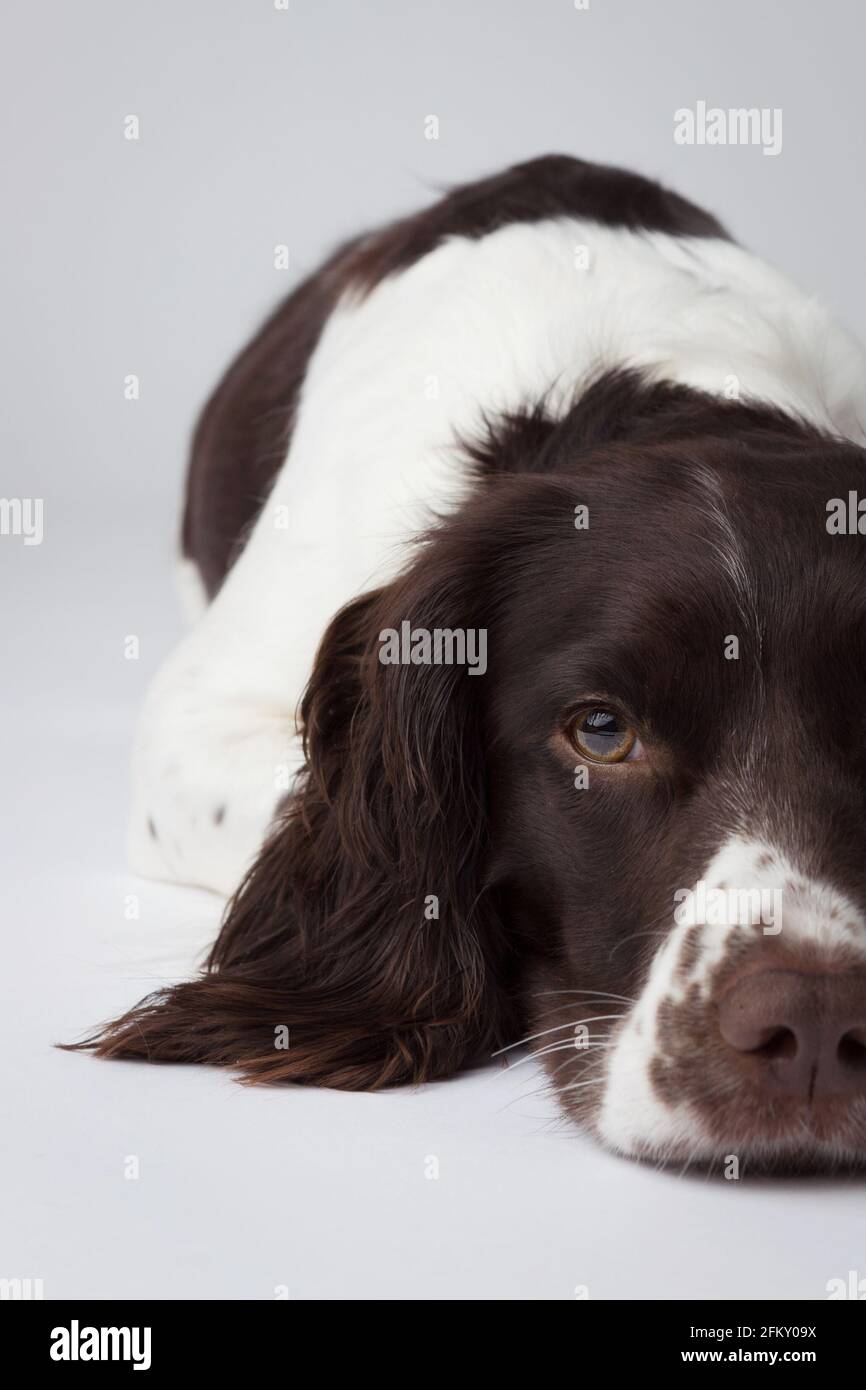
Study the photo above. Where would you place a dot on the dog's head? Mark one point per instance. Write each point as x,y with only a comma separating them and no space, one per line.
676,751
592,771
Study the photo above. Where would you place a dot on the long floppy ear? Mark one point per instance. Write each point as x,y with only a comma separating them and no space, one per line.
363,949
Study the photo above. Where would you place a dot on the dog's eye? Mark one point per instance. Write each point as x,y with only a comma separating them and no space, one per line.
602,736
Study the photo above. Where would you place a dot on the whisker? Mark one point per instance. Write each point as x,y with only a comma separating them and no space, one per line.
567,1046
593,993
557,1029
596,1047
579,1085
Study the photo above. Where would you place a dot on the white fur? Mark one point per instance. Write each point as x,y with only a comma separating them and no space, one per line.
476,326
191,590
632,1115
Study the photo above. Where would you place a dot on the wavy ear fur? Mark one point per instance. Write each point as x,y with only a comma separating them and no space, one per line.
332,935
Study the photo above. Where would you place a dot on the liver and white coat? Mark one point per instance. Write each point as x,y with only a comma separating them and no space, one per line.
619,434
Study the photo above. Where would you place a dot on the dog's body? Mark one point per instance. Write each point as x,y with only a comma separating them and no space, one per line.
631,428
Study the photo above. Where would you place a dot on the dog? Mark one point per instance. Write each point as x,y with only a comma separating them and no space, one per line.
560,433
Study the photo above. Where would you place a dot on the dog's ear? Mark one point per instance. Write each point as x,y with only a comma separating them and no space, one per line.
363,949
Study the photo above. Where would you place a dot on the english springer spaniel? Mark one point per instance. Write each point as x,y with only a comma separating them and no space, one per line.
529,697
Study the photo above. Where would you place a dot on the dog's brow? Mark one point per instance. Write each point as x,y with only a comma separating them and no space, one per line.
730,554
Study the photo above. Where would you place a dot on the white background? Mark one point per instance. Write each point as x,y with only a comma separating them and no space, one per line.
156,257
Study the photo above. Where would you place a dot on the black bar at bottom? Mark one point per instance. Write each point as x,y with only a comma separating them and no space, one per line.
152,1338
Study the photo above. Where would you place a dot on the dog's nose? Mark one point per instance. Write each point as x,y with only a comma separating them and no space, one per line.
808,1031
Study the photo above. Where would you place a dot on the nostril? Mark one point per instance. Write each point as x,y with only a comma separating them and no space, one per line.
782,1042
852,1051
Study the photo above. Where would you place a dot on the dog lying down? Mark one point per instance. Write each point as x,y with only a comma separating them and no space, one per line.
529,696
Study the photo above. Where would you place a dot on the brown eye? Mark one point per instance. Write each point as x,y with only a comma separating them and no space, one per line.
601,735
